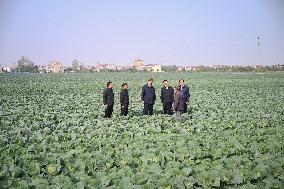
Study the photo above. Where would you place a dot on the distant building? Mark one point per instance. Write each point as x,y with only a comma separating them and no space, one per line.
137,64
6,69
180,68
122,68
279,66
101,67
257,66
1,70
190,68
89,68
42,69
110,67
153,67
221,66
55,67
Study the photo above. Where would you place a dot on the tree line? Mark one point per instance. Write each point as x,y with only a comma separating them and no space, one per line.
25,64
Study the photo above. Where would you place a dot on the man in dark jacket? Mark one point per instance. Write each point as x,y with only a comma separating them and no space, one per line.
124,99
185,93
108,98
167,97
179,103
148,96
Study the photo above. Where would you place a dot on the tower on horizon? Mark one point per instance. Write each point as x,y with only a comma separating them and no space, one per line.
138,63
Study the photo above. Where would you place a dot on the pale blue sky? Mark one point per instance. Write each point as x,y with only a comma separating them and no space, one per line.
167,32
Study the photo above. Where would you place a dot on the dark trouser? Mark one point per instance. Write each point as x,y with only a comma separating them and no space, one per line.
167,107
108,111
185,108
124,110
148,109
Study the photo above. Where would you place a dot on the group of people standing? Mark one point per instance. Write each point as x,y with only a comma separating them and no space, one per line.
177,101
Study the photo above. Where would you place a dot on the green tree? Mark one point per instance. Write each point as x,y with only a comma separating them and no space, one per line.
171,68
76,65
26,65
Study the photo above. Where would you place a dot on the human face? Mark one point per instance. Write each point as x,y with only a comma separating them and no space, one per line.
181,83
166,84
125,87
150,83
110,86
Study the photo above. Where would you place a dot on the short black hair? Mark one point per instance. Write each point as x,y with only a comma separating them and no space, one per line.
123,84
164,81
150,79
108,83
181,80
177,88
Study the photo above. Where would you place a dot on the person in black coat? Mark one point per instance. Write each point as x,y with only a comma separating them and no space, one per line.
179,103
167,97
185,93
108,98
148,96
124,100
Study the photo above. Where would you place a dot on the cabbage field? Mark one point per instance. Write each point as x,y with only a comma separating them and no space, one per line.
53,134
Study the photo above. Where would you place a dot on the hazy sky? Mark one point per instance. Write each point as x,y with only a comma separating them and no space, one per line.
167,32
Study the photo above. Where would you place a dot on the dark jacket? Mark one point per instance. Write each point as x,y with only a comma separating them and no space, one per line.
185,93
124,98
148,94
108,97
167,95
179,102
